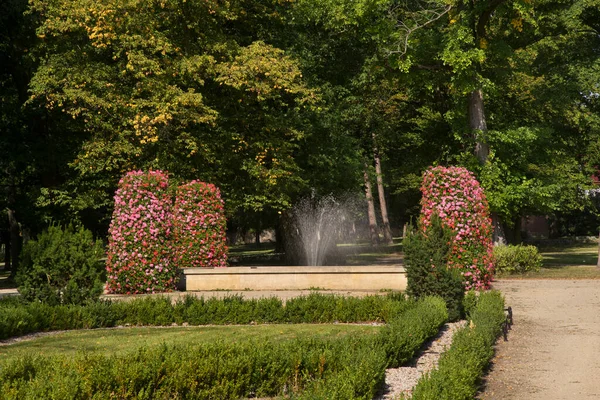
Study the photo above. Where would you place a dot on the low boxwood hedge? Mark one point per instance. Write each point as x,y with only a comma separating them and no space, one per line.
17,318
461,367
352,367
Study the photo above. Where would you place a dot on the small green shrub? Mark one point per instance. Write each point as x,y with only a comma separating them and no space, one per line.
461,367
61,267
517,259
426,257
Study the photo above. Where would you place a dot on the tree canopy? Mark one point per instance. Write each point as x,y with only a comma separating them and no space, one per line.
273,99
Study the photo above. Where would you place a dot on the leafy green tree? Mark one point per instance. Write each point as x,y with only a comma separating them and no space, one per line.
182,87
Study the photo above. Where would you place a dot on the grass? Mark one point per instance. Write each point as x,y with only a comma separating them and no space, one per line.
241,250
123,340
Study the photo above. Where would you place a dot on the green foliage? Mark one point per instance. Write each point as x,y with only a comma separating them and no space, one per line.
350,367
465,362
517,259
62,266
18,318
426,256
402,337
207,371
470,302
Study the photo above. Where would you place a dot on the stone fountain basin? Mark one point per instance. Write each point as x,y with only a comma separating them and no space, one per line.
355,277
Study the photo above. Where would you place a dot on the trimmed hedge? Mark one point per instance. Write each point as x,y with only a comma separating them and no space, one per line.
19,319
139,249
517,259
352,367
402,337
461,367
199,226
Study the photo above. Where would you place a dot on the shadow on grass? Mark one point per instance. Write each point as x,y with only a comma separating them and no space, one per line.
5,282
361,253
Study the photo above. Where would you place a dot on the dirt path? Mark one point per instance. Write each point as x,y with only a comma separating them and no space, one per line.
553,351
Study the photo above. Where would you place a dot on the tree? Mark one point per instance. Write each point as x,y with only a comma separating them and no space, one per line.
174,86
501,65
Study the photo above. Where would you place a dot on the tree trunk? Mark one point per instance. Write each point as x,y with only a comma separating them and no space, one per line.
479,130
387,231
15,242
499,236
7,260
371,209
478,125
517,237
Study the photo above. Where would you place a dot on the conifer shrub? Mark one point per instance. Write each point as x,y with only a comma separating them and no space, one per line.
426,257
517,259
139,249
61,266
199,226
456,197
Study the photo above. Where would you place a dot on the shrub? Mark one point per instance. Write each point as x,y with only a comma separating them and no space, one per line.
18,318
138,259
461,367
62,266
199,226
426,257
517,259
344,368
470,302
403,336
454,194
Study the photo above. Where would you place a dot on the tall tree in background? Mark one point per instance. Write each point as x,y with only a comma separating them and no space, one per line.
176,86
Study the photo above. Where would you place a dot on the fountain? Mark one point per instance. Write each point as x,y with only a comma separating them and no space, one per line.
311,229
314,229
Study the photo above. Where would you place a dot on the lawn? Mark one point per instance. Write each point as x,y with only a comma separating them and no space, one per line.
123,340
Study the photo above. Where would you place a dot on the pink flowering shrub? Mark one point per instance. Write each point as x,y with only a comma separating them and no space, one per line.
139,249
199,226
455,195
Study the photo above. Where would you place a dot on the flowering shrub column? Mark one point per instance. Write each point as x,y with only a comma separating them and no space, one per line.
199,226
139,249
454,194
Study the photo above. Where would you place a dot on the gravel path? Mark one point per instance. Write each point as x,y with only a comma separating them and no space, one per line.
403,379
553,349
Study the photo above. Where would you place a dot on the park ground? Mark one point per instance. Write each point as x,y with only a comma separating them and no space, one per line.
553,349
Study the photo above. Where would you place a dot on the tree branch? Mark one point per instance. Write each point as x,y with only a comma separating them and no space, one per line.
484,18
419,19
